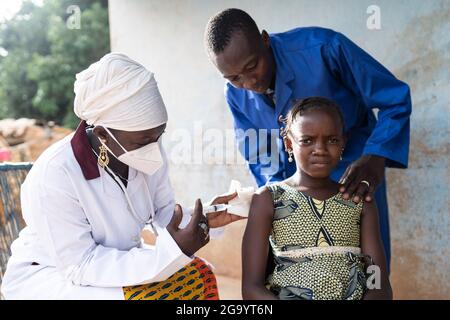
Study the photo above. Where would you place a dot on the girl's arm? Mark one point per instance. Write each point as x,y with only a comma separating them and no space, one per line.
371,245
255,247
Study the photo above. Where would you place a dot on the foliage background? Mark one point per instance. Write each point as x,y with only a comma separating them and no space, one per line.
40,56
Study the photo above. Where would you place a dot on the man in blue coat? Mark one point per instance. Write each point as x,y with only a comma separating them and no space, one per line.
266,73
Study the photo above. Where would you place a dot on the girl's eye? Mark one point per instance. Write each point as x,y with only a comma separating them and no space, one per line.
305,141
333,140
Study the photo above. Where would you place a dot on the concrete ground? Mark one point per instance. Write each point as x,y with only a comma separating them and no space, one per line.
229,288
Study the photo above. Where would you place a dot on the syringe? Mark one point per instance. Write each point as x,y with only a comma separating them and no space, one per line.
213,208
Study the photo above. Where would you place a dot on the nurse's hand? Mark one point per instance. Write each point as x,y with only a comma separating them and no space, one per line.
193,237
362,178
222,218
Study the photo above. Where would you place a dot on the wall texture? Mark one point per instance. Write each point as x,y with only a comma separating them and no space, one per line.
413,42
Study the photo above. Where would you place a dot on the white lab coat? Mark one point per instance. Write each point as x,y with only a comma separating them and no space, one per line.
83,236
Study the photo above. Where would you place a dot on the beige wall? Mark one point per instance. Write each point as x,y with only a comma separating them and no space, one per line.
167,37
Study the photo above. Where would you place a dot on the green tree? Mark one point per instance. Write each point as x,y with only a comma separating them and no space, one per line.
43,56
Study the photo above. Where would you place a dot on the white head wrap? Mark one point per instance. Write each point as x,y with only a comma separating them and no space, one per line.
119,93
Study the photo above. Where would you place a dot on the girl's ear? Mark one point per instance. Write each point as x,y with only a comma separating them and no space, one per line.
287,142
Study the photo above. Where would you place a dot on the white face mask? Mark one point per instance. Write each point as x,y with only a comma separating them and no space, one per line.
146,159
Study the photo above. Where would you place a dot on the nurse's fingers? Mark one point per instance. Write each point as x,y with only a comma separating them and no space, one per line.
224,198
176,218
197,215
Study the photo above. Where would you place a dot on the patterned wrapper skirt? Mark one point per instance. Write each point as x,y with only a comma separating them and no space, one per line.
195,281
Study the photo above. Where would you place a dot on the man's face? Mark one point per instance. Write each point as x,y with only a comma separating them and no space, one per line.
246,63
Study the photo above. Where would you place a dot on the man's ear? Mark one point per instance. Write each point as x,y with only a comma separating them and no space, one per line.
212,57
265,39
101,133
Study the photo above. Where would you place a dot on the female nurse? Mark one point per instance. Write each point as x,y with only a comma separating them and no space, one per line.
88,197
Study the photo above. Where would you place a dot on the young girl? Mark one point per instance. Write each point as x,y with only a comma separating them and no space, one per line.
321,243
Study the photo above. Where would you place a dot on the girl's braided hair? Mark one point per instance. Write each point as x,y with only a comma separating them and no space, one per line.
303,105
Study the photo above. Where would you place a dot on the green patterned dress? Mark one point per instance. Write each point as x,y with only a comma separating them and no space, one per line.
316,247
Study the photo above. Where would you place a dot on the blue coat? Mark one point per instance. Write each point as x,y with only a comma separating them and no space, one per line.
321,62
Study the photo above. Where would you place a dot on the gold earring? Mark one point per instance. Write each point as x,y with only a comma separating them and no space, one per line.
290,159
342,151
103,158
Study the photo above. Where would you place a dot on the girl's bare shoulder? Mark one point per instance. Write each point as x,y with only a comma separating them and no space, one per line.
262,202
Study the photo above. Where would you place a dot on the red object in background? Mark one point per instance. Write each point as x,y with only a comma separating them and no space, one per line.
5,154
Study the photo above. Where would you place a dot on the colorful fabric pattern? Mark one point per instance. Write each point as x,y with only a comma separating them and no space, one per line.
321,229
196,281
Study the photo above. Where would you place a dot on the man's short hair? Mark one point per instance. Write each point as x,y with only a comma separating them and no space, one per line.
224,25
